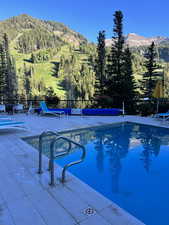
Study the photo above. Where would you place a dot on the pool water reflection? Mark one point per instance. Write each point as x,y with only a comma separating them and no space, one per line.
129,164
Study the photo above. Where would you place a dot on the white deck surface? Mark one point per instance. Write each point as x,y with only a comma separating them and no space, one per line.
27,199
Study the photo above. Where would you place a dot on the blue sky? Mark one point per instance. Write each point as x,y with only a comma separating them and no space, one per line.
145,17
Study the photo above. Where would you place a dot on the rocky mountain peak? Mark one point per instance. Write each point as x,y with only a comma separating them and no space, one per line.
135,40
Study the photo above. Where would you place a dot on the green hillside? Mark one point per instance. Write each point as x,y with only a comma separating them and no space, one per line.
48,41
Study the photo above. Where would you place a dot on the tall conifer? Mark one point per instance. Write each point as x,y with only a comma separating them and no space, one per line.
11,83
2,73
115,59
150,76
120,84
100,64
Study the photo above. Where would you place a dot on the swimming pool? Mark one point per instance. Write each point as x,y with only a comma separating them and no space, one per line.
128,163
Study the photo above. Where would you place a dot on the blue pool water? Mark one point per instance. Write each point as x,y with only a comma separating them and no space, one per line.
129,164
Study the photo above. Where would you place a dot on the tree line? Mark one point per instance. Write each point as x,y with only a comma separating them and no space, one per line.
105,75
115,82
37,39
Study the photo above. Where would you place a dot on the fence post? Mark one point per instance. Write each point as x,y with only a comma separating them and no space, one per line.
123,109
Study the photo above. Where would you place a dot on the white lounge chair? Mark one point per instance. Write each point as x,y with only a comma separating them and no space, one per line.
45,110
76,112
18,108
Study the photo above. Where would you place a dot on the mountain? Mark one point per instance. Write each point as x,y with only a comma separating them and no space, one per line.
135,40
48,54
34,31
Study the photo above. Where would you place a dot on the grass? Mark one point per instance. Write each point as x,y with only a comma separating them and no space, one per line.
43,71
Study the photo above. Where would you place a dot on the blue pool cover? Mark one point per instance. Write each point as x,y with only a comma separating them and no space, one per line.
102,112
94,112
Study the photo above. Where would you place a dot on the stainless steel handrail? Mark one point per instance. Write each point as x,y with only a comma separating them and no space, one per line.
52,145
44,134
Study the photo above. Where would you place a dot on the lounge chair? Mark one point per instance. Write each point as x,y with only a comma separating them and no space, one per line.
18,108
45,110
6,124
164,116
76,112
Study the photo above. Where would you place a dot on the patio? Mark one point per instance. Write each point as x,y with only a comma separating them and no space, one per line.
26,198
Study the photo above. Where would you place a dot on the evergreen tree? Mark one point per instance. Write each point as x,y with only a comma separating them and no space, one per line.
85,83
100,65
2,73
120,82
55,69
68,81
27,84
166,81
129,84
115,61
14,83
150,76
77,79
11,84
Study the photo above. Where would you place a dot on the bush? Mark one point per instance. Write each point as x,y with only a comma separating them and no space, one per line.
104,101
51,98
147,108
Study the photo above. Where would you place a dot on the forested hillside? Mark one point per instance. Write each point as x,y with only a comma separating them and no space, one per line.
49,57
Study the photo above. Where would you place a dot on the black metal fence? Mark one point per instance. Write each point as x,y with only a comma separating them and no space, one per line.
138,106
59,104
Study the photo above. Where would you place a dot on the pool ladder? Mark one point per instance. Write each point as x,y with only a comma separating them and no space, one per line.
52,157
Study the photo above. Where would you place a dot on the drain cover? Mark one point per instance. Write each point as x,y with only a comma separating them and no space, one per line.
89,211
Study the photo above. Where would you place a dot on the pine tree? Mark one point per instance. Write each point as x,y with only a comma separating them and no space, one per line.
2,74
150,76
100,65
86,82
68,81
77,79
115,60
11,84
120,82
55,69
14,83
129,84
27,84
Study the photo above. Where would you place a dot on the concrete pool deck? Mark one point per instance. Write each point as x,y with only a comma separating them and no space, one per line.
27,199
